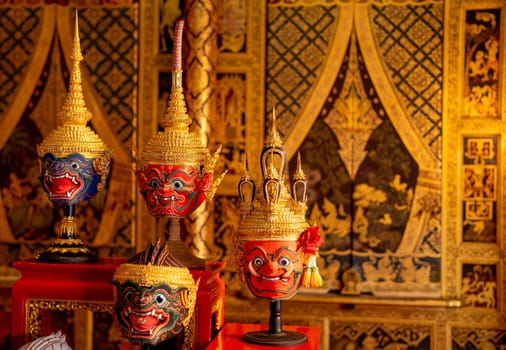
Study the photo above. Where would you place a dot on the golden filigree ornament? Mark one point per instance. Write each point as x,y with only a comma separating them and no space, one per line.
272,213
274,247
175,169
74,165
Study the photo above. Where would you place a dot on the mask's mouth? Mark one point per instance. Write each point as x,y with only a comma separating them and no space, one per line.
62,186
284,277
165,200
144,324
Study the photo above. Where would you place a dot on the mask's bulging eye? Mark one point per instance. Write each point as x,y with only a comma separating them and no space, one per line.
74,165
178,185
154,184
258,262
160,299
284,262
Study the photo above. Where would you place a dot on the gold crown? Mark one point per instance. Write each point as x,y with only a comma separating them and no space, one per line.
176,144
151,275
272,212
155,265
73,135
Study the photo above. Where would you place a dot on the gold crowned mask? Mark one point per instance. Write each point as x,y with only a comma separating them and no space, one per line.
272,213
176,145
155,272
156,265
74,164
275,250
175,169
73,135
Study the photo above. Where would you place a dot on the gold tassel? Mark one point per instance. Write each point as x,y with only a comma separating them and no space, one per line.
311,277
308,242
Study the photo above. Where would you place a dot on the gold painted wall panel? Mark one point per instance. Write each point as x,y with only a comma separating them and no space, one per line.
414,55
378,201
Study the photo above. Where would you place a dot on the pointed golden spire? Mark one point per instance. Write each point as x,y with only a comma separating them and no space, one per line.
246,187
273,155
299,173
73,135
176,144
74,109
176,116
299,185
273,139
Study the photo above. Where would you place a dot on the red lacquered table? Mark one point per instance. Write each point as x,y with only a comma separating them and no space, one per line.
47,287
57,287
230,337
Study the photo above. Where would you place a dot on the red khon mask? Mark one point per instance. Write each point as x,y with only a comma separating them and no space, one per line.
272,269
173,190
275,249
175,169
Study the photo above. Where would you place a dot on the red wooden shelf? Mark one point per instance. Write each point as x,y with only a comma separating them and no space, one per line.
52,287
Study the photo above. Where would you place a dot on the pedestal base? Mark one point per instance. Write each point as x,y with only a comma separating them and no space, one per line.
275,335
67,251
232,337
283,338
